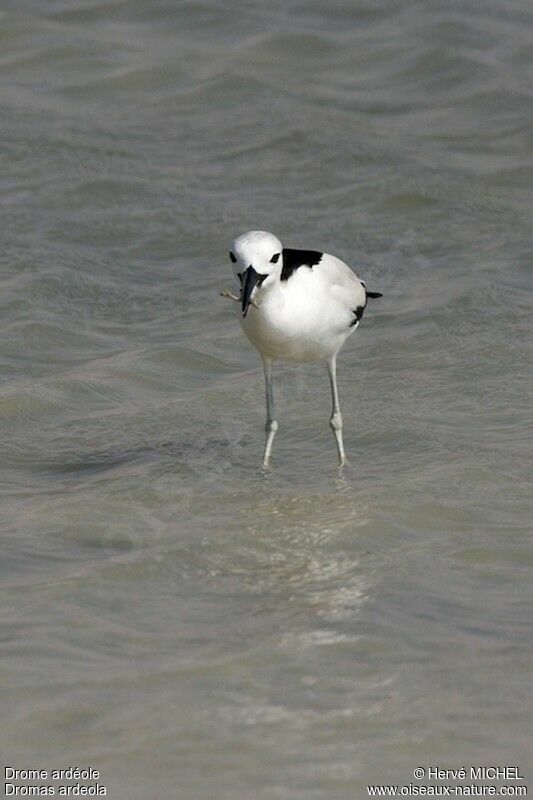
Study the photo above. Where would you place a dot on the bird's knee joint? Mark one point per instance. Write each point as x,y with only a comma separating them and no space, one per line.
271,425
336,422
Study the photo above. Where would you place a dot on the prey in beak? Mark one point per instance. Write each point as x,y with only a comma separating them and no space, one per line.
248,283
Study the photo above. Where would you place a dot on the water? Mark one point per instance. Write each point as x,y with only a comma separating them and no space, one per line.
172,617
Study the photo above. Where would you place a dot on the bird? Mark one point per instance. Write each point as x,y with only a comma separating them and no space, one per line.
295,305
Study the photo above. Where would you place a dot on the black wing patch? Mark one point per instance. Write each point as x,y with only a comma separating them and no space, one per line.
360,310
292,259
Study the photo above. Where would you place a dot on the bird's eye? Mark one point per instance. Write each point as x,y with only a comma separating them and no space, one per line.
233,257
275,257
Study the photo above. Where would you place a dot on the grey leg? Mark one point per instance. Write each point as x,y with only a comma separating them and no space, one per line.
335,421
271,423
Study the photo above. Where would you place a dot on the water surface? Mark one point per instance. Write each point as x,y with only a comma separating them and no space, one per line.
173,617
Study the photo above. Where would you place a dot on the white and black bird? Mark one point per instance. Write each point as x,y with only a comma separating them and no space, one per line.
295,305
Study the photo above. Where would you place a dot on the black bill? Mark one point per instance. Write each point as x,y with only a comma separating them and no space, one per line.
250,279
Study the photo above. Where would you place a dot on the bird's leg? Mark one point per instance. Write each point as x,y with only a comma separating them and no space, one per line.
271,425
335,421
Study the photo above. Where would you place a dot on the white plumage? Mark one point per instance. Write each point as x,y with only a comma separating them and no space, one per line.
297,305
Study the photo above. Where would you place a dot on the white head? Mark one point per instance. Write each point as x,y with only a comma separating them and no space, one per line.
255,257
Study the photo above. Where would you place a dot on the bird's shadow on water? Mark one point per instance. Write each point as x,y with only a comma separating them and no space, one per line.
208,463
75,467
202,460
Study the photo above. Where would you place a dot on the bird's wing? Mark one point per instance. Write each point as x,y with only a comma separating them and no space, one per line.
344,284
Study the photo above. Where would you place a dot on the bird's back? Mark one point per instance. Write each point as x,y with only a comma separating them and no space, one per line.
310,314
328,292
341,281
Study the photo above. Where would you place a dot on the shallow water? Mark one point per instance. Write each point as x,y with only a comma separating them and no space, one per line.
173,617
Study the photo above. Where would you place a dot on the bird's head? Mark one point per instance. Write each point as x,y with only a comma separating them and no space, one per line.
256,257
